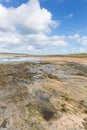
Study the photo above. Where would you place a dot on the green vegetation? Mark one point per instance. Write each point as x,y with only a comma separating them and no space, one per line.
80,55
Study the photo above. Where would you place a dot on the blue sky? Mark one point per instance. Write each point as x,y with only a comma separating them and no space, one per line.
43,26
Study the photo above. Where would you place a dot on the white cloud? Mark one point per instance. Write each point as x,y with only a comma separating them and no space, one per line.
25,29
30,48
58,41
82,40
82,50
69,16
31,41
27,18
74,37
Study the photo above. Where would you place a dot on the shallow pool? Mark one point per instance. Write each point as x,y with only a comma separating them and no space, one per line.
8,59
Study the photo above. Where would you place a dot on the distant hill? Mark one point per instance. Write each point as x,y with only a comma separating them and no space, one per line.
81,55
69,55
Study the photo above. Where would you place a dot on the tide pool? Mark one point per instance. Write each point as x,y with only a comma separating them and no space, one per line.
8,59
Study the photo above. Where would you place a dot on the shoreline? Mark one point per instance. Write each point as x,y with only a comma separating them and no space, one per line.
80,60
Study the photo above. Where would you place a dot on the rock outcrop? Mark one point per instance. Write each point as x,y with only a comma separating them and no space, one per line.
43,96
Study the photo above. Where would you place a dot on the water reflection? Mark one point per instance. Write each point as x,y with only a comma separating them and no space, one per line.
8,59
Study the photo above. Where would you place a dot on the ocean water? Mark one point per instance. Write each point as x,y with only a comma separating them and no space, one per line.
8,59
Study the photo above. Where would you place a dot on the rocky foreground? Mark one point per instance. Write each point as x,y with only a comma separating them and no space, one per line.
48,95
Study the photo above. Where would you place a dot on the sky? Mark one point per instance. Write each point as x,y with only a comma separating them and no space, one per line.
42,27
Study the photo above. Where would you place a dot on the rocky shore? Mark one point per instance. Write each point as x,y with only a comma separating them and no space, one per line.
47,95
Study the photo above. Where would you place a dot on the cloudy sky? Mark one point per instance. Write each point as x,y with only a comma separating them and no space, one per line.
43,26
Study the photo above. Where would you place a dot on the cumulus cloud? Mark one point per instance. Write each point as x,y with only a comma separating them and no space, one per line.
82,40
26,29
27,18
74,37
30,42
